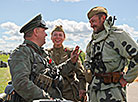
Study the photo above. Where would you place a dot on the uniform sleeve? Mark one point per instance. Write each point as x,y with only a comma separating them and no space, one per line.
80,73
87,66
129,50
67,66
88,53
20,69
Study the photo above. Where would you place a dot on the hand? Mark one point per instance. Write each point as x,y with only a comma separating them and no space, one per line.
82,94
123,82
75,54
51,98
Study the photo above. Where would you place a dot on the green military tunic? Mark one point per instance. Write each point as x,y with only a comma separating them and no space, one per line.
116,47
73,80
21,61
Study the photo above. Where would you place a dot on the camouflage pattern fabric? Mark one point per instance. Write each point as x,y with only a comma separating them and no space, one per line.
20,63
116,47
55,100
74,80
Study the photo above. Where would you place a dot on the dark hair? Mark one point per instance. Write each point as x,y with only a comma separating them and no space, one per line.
28,34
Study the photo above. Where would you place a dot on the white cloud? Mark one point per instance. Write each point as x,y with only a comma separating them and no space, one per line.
70,27
11,28
129,29
8,46
12,38
2,41
77,33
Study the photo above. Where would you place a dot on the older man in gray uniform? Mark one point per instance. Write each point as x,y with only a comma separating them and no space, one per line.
31,68
107,54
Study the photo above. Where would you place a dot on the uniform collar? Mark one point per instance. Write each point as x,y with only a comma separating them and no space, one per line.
99,37
58,49
39,49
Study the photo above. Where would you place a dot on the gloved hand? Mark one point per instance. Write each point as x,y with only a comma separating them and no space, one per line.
123,82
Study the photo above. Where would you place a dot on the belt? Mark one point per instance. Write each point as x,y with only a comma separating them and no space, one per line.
111,77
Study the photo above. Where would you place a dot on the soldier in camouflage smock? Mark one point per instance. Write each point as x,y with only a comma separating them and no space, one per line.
74,81
107,55
29,62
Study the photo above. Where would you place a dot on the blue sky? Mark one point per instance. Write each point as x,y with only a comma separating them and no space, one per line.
70,13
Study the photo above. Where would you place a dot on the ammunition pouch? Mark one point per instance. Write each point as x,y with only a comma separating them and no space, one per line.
43,81
108,78
88,75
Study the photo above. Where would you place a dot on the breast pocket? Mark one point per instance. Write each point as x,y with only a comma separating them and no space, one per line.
40,63
63,58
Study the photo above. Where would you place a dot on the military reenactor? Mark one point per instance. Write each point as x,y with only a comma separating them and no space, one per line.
107,54
32,71
74,86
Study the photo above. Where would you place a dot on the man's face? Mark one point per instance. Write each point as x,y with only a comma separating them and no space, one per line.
97,23
41,36
58,37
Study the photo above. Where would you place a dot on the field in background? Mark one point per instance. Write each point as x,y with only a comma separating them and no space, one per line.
4,78
4,58
4,74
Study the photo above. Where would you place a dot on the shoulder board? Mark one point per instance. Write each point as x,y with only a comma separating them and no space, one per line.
89,44
67,49
116,30
48,50
22,45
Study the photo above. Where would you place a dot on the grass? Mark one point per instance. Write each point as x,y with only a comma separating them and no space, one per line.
4,74
4,78
4,58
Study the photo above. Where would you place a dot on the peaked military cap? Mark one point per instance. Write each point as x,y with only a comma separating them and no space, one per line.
95,11
58,28
35,22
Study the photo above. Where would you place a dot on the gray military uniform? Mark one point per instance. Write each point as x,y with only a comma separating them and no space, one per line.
21,61
115,47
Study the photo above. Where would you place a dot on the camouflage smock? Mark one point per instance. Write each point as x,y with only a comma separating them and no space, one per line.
117,46
74,80
20,63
